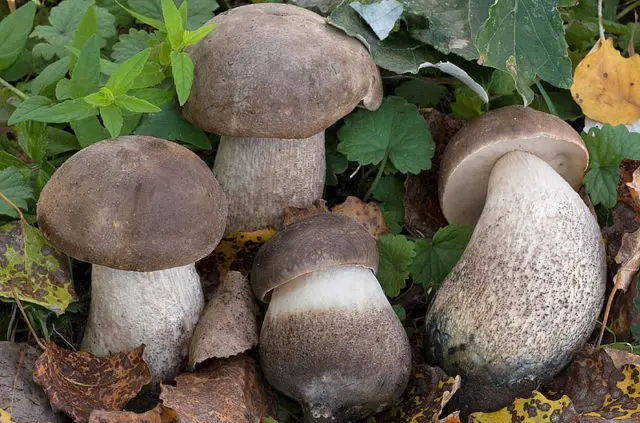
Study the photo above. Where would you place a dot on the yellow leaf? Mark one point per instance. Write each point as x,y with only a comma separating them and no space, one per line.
606,85
5,417
237,250
525,410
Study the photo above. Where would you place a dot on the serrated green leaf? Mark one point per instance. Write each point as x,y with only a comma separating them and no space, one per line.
64,89
200,11
7,160
601,185
42,177
57,113
435,258
60,141
396,255
173,23
123,19
192,37
526,39
27,107
336,162
135,105
421,93
33,138
400,312
468,103
85,78
182,69
134,42
102,98
184,13
169,125
50,75
112,119
395,130
389,192
89,131
155,96
87,27
152,75
14,32
33,269
156,23
123,78
16,188
23,66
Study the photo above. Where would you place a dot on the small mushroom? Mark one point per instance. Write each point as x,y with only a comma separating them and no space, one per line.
270,79
142,210
330,339
527,291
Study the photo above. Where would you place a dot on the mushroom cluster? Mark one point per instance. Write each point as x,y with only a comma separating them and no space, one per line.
282,76
330,339
527,291
142,210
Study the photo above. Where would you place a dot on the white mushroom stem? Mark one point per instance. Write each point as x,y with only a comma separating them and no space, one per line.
262,176
527,291
159,309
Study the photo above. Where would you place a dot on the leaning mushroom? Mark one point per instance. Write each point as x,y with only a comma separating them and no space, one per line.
527,291
142,210
270,79
330,339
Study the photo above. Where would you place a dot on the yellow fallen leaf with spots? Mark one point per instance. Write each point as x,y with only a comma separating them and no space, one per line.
606,85
529,410
5,417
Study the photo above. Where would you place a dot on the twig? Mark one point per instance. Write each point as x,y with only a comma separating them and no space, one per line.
26,318
627,9
606,315
12,205
600,25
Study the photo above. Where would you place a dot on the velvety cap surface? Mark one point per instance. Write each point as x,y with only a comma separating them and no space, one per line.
470,156
134,203
278,71
319,242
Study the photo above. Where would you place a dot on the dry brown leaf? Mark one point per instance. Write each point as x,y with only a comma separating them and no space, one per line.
295,214
229,390
368,215
621,357
633,184
228,324
160,414
79,382
606,85
629,259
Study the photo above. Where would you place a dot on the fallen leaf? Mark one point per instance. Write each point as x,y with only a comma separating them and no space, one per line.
295,214
632,186
160,414
606,85
621,356
79,382
224,390
5,417
537,408
228,324
429,390
628,258
368,215
34,269
19,394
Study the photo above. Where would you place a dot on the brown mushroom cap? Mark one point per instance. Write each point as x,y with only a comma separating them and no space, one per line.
470,156
278,71
319,242
134,203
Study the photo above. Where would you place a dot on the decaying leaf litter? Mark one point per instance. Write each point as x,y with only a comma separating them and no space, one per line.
377,172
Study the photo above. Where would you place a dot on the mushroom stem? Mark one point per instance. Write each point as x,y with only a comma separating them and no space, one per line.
159,309
536,249
262,176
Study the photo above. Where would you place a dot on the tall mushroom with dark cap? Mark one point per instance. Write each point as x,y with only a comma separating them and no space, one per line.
527,291
330,339
142,210
270,79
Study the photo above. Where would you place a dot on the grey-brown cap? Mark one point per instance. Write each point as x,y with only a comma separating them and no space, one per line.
319,242
470,156
278,71
134,203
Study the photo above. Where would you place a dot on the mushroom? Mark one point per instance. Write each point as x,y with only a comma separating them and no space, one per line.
330,339
270,79
527,291
142,210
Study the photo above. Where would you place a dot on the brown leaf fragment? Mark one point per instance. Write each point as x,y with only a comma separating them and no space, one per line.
629,187
79,382
228,324
160,414
368,215
629,259
295,214
621,357
429,390
229,390
19,395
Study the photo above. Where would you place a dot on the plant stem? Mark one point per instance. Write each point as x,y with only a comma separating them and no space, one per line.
14,90
26,319
547,99
627,9
600,25
12,205
383,163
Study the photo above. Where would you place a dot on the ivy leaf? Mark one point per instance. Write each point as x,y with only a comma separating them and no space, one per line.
182,68
124,77
435,258
396,130
112,118
396,254
134,42
169,125
526,39
14,31
16,188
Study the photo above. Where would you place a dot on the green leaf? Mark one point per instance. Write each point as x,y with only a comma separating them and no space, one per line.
389,192
16,188
395,130
58,113
601,185
468,103
421,93
156,23
33,268
135,105
123,78
155,96
400,312
60,141
169,125
64,89
192,37
87,27
526,39
102,98
50,75
112,119
33,138
89,131
173,23
134,42
27,107
152,75
396,254
381,16
200,11
184,12
14,31
182,69
435,258
85,78
7,160
23,66
337,162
